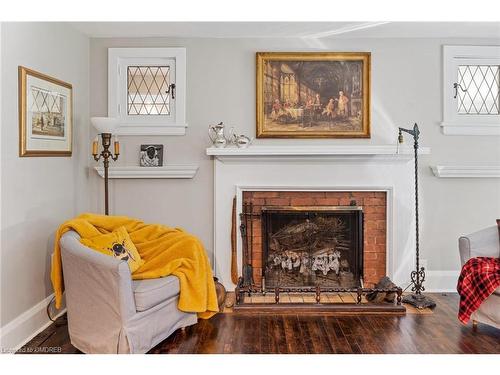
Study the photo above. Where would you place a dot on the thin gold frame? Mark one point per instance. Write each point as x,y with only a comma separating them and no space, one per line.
23,152
313,56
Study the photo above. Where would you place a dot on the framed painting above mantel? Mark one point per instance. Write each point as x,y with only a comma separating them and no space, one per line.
313,95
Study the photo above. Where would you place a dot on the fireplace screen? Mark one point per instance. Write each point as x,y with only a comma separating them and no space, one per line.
312,246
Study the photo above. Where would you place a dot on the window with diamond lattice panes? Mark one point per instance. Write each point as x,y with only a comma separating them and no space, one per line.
148,90
471,90
478,89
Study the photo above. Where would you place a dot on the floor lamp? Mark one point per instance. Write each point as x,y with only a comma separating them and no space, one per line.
417,276
105,127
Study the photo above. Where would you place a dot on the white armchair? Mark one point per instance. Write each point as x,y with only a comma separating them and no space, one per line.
108,312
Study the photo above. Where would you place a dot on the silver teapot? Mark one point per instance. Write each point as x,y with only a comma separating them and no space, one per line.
241,141
217,135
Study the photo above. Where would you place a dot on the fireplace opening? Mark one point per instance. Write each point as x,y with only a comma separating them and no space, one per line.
307,246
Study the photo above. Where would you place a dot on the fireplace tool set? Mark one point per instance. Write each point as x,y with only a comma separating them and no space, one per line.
246,226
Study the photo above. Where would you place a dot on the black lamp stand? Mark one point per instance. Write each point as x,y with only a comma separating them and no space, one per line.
416,298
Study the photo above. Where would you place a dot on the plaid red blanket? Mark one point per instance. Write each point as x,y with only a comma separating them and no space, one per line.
478,280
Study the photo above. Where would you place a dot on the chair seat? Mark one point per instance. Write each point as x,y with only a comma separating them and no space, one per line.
152,292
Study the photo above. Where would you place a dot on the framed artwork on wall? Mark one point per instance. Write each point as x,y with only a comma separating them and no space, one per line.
45,115
313,95
151,156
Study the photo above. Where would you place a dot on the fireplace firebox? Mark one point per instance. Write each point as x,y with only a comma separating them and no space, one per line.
312,246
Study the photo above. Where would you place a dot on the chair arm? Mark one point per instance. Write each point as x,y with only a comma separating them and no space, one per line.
484,243
98,287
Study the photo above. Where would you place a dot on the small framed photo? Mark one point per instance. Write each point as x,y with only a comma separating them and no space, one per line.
151,156
45,115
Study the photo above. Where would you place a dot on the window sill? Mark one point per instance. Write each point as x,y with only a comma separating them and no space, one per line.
450,128
152,130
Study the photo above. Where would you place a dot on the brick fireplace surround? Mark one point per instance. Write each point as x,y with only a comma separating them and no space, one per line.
374,205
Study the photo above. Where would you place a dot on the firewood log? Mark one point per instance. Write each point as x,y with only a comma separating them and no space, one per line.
378,297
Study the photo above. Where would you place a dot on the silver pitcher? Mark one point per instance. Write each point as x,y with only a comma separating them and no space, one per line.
217,135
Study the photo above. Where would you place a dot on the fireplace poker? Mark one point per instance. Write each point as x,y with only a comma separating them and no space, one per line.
250,251
247,268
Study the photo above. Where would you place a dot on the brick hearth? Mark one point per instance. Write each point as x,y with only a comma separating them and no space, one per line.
374,207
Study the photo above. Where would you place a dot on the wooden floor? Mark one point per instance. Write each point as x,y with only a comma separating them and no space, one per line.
439,332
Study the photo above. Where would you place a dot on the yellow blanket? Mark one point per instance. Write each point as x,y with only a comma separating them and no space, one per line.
166,251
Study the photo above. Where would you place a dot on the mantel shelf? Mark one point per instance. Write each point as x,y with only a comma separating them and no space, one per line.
168,171
392,152
466,171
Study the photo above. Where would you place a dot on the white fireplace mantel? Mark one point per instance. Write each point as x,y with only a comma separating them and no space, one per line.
309,167
316,152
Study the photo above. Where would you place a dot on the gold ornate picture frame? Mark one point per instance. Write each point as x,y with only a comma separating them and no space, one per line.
45,115
313,95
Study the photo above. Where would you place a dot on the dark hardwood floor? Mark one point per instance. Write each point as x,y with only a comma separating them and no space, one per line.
439,332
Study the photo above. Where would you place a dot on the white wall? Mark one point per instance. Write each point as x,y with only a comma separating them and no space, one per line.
38,193
406,88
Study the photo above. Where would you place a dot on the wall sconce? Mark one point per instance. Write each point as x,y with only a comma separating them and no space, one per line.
105,126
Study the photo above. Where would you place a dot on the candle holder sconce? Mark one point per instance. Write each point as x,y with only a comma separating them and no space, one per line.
105,154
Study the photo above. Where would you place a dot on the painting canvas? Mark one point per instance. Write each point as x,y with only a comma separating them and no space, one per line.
313,95
48,113
45,115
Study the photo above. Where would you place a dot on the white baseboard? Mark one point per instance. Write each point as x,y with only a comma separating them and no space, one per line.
441,281
26,326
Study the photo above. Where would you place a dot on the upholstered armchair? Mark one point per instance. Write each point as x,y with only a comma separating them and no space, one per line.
484,243
108,312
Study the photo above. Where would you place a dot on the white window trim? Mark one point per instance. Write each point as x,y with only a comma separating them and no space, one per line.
454,124
174,126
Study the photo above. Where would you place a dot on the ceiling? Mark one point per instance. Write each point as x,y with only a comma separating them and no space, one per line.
291,29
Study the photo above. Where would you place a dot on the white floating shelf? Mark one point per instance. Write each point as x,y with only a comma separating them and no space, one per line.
168,171
466,171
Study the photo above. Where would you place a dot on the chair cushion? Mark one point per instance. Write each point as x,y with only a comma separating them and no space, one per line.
152,292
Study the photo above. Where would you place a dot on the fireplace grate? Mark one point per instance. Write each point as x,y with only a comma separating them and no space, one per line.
311,246
359,303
